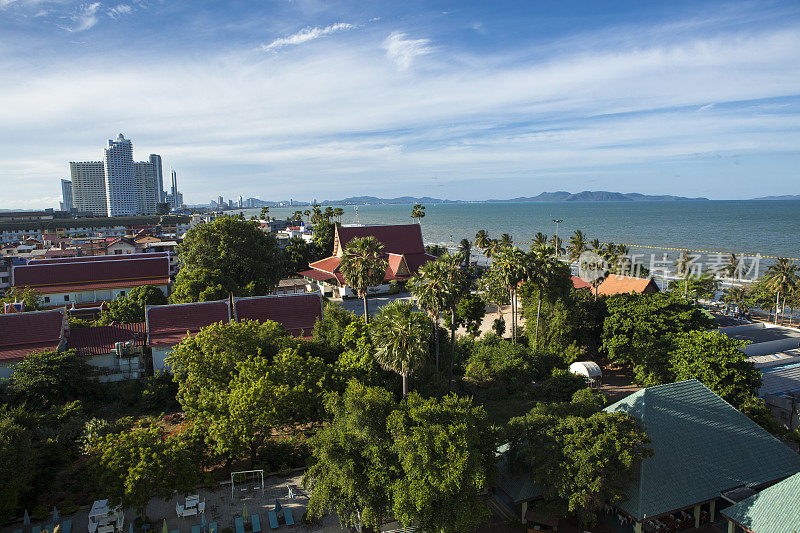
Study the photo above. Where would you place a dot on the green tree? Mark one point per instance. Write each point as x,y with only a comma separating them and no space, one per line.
31,299
17,465
492,290
464,250
264,213
202,285
265,394
640,330
297,254
352,464
134,466
43,380
240,249
482,240
129,309
718,362
577,245
418,212
539,240
543,269
429,288
324,232
447,454
511,266
400,337
363,266
470,312
782,280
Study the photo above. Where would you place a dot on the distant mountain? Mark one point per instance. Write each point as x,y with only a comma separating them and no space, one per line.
781,197
372,200
598,196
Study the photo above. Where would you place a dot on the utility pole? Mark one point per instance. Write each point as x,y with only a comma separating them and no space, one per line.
557,221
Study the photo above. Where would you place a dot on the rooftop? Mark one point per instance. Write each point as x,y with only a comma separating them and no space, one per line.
167,325
297,313
776,508
100,340
24,333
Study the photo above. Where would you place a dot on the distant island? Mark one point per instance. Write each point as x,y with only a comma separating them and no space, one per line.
781,197
558,196
373,200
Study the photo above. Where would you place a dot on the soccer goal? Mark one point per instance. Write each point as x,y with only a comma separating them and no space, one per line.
247,483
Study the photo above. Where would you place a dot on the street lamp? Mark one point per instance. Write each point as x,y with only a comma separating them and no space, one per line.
557,221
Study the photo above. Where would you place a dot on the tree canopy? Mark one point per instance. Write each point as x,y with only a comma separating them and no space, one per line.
43,380
129,309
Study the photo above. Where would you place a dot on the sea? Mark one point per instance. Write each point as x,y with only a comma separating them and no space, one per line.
769,228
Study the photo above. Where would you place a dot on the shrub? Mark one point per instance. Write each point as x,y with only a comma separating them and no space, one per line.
499,326
561,386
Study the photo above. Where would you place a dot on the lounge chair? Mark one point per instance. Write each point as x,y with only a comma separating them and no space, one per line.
179,510
273,520
196,529
66,526
239,523
256,521
287,516
212,527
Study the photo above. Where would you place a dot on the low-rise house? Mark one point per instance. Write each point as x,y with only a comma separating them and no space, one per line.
22,334
774,509
120,246
404,251
116,350
91,280
297,313
616,284
703,448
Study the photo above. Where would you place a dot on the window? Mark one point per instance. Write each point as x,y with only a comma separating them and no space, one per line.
122,293
47,299
117,252
66,297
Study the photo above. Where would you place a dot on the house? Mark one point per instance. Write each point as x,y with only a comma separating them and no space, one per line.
91,280
703,448
297,313
115,350
168,325
616,284
403,249
578,283
22,334
776,508
120,246
515,492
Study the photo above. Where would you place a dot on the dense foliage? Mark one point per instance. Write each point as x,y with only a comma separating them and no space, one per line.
129,309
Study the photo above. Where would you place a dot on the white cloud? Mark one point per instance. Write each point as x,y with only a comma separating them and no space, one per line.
403,51
119,10
706,107
305,35
86,18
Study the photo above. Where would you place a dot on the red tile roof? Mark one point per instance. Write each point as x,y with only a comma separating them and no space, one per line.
295,312
65,275
167,325
100,340
399,239
24,333
578,283
84,258
329,264
318,275
615,284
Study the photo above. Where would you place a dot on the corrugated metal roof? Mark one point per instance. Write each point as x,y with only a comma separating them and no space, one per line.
774,509
777,379
702,446
24,333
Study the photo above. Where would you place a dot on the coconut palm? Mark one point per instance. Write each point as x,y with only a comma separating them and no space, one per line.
418,212
465,250
731,267
555,244
400,336
738,297
577,245
307,214
782,280
429,288
457,285
482,240
338,212
541,267
539,240
363,266
511,264
506,240
298,216
596,245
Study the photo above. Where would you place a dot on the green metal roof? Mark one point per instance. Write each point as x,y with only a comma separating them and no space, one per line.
702,446
776,508
517,485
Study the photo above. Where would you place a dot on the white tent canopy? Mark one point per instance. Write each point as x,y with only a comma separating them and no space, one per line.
588,369
103,519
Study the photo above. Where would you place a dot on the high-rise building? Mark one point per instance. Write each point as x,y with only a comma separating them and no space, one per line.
66,195
155,160
120,178
176,198
221,202
89,187
147,189
241,202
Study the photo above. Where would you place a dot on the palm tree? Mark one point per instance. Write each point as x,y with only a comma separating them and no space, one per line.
555,243
429,288
539,240
400,335
506,240
482,240
465,250
338,212
542,266
264,213
511,264
457,285
596,245
731,268
363,266
418,212
577,245
736,296
307,213
298,216
782,279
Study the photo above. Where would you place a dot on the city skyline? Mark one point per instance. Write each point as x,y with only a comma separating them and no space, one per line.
447,100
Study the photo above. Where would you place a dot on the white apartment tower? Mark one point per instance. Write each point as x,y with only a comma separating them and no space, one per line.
155,160
120,178
147,190
66,195
89,187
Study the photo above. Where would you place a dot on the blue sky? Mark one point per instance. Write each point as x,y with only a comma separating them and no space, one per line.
462,100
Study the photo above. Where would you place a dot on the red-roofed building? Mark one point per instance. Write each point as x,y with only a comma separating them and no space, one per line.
616,284
578,283
405,253
297,313
116,349
81,280
22,334
168,325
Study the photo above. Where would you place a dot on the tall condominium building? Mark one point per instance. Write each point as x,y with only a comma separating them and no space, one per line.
120,178
147,190
241,202
175,197
66,195
155,160
89,187
220,201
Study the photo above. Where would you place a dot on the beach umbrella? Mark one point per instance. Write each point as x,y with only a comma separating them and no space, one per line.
26,521
55,514
202,521
277,506
244,512
164,527
130,529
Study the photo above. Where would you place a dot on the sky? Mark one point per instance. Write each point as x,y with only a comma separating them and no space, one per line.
307,99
